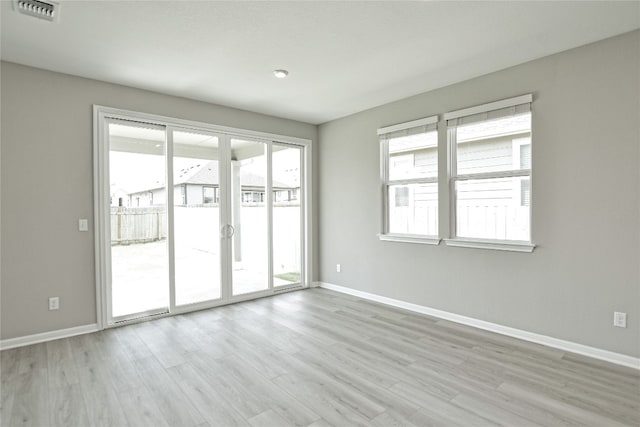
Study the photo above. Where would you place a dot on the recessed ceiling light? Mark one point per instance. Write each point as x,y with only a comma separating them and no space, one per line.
281,74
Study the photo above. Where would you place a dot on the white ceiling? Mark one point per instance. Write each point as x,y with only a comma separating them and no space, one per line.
343,57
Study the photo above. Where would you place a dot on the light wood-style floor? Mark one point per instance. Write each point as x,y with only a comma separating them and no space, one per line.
309,358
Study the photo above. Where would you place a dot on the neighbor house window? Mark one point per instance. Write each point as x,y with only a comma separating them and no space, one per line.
209,195
490,171
183,195
252,197
409,164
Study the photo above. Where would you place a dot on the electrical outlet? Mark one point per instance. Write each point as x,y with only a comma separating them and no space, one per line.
620,319
54,303
338,268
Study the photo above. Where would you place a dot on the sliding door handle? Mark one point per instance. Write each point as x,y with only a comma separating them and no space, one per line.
227,231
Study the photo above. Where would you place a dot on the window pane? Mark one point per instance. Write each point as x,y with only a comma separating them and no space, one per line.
209,195
494,145
413,209
496,208
413,156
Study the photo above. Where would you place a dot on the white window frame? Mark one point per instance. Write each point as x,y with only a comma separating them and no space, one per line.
385,235
453,177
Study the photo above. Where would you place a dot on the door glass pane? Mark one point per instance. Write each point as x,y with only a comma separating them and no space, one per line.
196,180
413,209
139,255
494,208
250,250
286,178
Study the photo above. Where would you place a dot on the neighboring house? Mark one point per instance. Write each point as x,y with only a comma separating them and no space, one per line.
199,185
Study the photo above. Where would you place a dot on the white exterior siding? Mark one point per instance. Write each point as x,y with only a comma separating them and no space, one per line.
494,200
194,194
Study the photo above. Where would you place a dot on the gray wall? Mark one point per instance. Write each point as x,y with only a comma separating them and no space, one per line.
586,196
47,184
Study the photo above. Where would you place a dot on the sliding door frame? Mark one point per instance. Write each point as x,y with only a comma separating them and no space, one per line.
101,115
302,197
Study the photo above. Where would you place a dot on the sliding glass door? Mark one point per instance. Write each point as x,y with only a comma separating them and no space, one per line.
191,218
196,216
286,172
139,252
249,216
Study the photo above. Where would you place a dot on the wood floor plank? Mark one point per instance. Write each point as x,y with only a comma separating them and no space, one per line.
32,357
30,409
67,407
131,342
6,405
269,418
351,396
30,405
346,376
580,415
389,418
440,406
101,398
173,404
140,409
9,361
328,405
284,404
486,410
61,365
209,400
311,358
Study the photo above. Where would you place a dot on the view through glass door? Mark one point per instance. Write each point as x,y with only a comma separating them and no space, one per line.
196,216
192,219
249,222
139,252
286,172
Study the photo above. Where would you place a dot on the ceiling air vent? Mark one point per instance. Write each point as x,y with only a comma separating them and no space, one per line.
46,10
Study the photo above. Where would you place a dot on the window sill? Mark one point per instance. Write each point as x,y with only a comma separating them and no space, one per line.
409,238
491,244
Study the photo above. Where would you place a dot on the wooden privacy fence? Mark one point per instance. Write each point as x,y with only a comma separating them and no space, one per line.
138,225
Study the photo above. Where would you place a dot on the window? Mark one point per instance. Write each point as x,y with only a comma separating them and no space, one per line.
490,172
252,197
182,197
210,195
409,164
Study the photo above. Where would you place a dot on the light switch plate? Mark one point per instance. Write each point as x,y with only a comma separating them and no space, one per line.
83,225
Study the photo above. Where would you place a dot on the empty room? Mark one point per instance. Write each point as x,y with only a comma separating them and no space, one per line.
319,213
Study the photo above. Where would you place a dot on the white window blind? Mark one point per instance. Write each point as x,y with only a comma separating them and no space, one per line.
490,115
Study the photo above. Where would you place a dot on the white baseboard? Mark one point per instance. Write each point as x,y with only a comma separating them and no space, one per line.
596,353
47,336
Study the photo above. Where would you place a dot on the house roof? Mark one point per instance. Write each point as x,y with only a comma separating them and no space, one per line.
206,173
